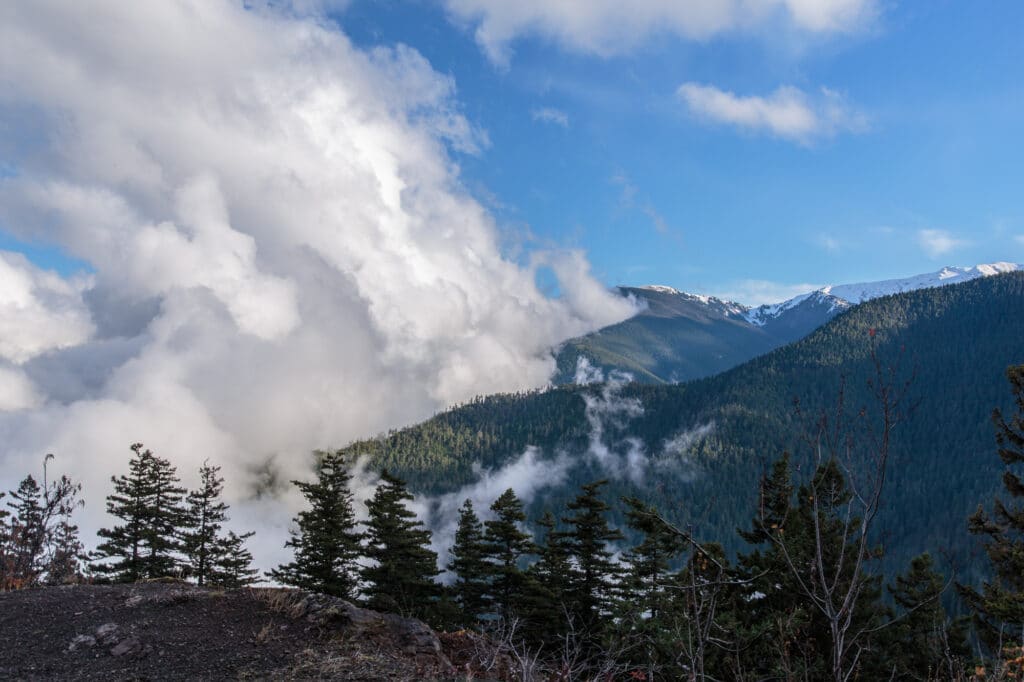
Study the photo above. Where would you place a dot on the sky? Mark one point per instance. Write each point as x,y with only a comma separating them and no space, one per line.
607,135
239,232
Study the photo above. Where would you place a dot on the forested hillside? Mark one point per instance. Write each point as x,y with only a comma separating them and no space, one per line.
697,450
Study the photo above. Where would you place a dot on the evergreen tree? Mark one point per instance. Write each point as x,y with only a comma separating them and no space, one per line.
325,539
925,644
594,577
468,564
27,534
68,554
5,539
551,579
505,544
400,578
816,609
999,606
148,500
647,589
204,514
231,562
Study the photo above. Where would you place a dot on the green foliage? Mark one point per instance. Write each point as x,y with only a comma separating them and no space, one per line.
999,606
231,562
400,577
148,501
594,574
925,643
212,557
325,538
958,340
468,564
505,545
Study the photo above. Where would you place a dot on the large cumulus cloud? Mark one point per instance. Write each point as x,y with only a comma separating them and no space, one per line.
282,254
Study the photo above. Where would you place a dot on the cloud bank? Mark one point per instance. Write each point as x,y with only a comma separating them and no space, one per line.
788,112
607,27
282,254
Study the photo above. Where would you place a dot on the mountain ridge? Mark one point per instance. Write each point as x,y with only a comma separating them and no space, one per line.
681,336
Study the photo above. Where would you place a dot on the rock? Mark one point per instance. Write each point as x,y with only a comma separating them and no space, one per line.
82,642
125,646
107,633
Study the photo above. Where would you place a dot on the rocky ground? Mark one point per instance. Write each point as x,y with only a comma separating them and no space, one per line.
174,631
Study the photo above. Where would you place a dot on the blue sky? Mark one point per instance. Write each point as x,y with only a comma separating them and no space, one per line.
600,152
593,146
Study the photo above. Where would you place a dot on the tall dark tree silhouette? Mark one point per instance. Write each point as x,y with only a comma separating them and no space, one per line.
999,605
400,577
468,564
148,501
325,539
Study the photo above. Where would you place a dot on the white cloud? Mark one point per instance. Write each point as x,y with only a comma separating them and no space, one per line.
284,256
755,292
550,115
16,390
938,243
788,112
608,27
39,311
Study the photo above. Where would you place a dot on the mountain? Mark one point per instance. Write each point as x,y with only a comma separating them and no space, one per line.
681,336
697,450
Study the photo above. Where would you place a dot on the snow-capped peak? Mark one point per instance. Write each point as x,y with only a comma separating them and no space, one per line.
844,295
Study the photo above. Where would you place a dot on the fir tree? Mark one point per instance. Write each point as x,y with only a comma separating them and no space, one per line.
400,578
325,539
27,534
204,514
505,544
551,579
148,501
231,562
468,564
999,606
925,644
595,575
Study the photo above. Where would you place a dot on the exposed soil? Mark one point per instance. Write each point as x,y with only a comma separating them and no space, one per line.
160,631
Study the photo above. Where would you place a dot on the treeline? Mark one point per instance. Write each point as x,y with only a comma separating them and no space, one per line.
958,339
566,597
165,531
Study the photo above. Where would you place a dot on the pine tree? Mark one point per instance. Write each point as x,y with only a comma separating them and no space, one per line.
924,643
647,586
999,606
595,575
400,578
504,546
204,514
27,534
325,539
551,580
231,562
149,502
468,564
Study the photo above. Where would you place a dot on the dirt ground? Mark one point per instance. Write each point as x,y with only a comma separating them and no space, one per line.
160,631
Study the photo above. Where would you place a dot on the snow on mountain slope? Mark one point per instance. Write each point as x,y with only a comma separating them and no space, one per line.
845,295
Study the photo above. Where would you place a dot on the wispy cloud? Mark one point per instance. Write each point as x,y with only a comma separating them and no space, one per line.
788,112
828,242
938,242
607,28
550,115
